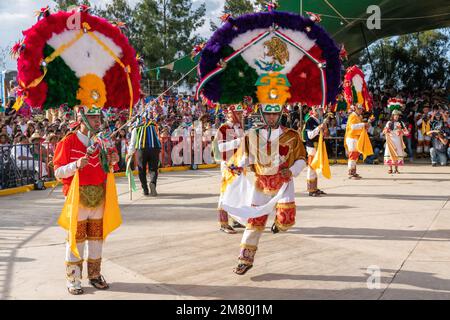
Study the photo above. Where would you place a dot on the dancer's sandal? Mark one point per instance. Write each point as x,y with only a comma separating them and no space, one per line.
321,192
274,229
227,229
241,268
390,171
99,283
75,291
237,225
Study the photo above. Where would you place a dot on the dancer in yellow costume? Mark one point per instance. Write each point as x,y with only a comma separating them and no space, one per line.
354,129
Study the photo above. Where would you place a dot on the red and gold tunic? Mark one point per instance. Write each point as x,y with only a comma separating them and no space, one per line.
349,131
69,150
268,171
226,133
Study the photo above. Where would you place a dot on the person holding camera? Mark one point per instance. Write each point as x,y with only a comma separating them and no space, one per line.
440,135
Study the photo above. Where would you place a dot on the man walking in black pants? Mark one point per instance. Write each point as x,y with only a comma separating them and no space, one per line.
145,140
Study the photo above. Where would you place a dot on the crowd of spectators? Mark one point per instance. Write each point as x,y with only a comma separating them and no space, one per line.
29,136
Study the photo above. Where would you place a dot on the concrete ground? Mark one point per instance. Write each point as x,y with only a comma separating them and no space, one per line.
170,247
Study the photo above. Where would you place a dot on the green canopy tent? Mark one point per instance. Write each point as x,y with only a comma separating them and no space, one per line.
346,21
182,65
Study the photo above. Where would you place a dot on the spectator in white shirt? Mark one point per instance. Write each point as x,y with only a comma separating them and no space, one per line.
24,157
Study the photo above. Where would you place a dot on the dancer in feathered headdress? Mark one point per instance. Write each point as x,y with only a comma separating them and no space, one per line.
358,99
227,141
261,56
85,66
394,131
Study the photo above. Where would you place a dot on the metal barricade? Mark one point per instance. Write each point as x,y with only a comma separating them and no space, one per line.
47,152
20,165
335,148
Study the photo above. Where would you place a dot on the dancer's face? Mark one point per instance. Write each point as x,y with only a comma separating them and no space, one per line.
95,122
272,119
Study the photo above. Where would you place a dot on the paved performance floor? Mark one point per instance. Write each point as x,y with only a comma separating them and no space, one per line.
170,247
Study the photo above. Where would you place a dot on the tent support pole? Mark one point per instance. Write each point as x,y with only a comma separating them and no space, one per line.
370,57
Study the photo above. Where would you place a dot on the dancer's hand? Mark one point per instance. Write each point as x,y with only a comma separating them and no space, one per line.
286,173
127,157
82,162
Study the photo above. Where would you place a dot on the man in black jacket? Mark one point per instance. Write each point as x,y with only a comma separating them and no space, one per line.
313,128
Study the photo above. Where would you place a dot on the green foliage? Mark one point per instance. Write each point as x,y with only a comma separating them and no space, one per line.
120,10
238,80
166,30
65,4
161,31
62,83
416,61
237,8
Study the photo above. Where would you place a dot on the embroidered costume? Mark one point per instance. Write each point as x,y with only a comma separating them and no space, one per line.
87,64
276,60
273,173
394,148
228,138
91,210
356,141
423,140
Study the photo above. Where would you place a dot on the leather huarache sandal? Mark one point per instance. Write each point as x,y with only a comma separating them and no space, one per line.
99,283
274,229
75,291
227,229
237,225
241,268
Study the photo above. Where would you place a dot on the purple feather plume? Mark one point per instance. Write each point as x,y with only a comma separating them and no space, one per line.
210,55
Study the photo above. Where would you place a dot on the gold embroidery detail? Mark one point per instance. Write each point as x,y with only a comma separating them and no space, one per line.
95,238
95,229
287,205
92,196
70,263
94,266
81,231
248,246
283,227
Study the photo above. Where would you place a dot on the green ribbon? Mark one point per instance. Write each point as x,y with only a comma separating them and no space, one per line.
130,176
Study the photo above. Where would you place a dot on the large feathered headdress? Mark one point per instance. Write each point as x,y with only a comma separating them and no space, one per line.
273,57
77,59
355,88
